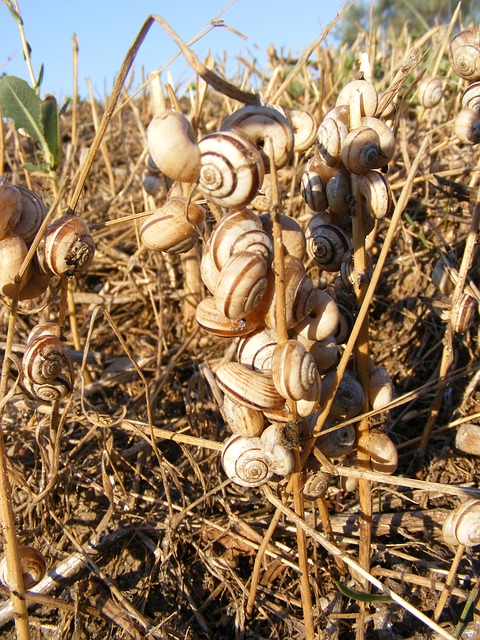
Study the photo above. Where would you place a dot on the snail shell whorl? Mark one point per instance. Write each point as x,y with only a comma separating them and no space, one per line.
227,230
33,214
212,320
471,97
330,139
375,189
368,96
10,208
326,244
68,247
231,170
462,525
44,359
294,370
241,284
173,227
464,313
361,150
33,566
243,461
256,349
305,127
430,92
255,389
465,54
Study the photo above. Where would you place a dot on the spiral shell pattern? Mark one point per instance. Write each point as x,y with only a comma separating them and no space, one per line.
243,461
465,54
44,359
33,566
68,247
294,370
326,245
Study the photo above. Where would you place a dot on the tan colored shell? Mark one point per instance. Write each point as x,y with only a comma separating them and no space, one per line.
467,126
13,251
465,54
45,359
279,457
313,191
380,388
256,349
324,352
212,320
244,420
375,189
172,146
467,438
331,136
462,526
263,125
241,284
368,96
67,247
382,451
243,461
305,127
361,150
231,169
326,243
471,97
349,398
322,321
10,208
430,91
255,389
293,236
294,371
227,230
33,565
173,227
464,312
208,270
386,136
32,216
337,443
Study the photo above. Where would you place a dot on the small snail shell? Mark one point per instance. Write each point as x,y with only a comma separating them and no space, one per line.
349,398
368,96
330,139
313,191
244,463
324,352
339,192
467,126
304,126
32,216
361,150
256,349
231,169
346,321
294,371
326,244
173,227
241,419
278,456
464,312
465,54
10,208
387,139
467,438
430,91
380,388
226,232
462,526
50,390
44,359
375,189
322,321
293,236
263,125
67,247
471,97
383,452
44,329
316,483
171,143
13,251
255,389
338,443
33,566
241,284
212,320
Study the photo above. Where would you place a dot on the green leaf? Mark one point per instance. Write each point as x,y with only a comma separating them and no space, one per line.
21,103
51,126
361,596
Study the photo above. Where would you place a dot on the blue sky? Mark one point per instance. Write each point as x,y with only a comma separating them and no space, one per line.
106,29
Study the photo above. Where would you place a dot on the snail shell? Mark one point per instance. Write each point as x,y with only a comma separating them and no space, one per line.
382,451
231,169
173,227
380,388
368,96
331,136
467,438
172,146
32,216
226,232
67,247
293,236
10,207
467,126
244,420
349,398
465,54
443,277
313,191
386,136
44,359
316,483
277,450
305,127
303,408
241,284
208,270
462,526
324,352
243,461
13,251
430,91
256,349
294,371
339,192
212,320
361,150
51,390
254,389
375,189
326,243
263,125
322,321
464,313
338,443
471,97
155,184
33,566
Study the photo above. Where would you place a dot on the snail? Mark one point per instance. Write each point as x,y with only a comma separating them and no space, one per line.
243,461
338,192
471,97
347,270
349,397
256,349
293,236
173,227
264,125
277,442
212,320
33,566
467,126
324,352
467,438
331,135
380,387
231,169
373,186
430,91
32,215
337,443
326,243
67,248
313,191
294,371
444,276
241,419
322,321
37,282
464,312
465,54
13,251
304,126
462,525
10,208
386,136
361,150
368,96
382,451
255,389
172,146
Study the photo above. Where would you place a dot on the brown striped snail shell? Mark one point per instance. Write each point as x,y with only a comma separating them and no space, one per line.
208,270
255,389
293,236
294,371
339,192
324,352
67,248
462,525
227,230
172,146
310,403
44,359
464,312
368,96
173,227
50,390
316,482
347,270
243,461
465,54
349,398
33,567
231,169
382,451
212,320
10,207
241,284
471,97
305,127
264,125
375,189
322,321
32,216
256,349
467,126
326,244
244,420
331,136
361,150
386,136
430,91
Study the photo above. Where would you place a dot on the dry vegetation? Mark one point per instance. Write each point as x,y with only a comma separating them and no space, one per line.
169,545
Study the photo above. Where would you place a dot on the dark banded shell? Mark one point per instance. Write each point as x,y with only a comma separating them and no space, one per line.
326,244
241,284
68,248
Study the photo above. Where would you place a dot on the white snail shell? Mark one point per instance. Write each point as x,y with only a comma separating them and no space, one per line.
471,97
326,243
382,451
50,390
430,91
294,371
368,96
462,526
277,450
173,227
172,146
375,189
243,461
256,349
465,54
386,137
467,126
322,321
10,208
231,169
241,284
212,320
32,216
244,420
45,359
467,438
361,150
208,270
304,126
324,352
293,236
67,247
263,125
331,136
255,389
380,388
227,230
33,566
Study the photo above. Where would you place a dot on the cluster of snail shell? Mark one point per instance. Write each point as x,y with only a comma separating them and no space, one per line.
66,247
272,385
465,60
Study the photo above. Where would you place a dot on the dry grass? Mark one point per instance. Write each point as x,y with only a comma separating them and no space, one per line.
168,545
